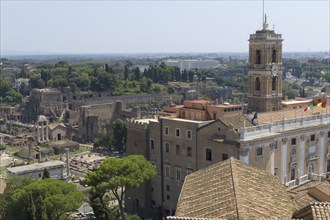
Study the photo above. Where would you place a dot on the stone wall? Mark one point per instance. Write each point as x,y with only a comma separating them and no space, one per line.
96,119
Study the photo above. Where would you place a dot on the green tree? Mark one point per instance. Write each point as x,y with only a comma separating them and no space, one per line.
137,74
4,86
191,75
103,142
12,97
116,175
23,89
119,135
13,183
44,199
46,174
126,73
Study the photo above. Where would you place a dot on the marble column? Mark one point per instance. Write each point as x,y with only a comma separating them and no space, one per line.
38,132
321,153
284,160
302,155
272,158
47,138
42,131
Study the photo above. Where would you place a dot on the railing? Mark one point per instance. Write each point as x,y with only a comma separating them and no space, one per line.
303,179
283,125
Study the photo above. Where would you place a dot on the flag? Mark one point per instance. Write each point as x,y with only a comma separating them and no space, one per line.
322,104
255,117
309,108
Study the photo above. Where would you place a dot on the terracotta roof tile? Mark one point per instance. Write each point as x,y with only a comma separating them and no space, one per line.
321,210
303,194
234,190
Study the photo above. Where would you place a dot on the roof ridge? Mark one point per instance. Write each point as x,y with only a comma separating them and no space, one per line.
232,166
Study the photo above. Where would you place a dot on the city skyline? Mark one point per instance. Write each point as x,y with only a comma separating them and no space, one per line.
106,27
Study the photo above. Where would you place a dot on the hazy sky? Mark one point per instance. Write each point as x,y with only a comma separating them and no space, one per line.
159,26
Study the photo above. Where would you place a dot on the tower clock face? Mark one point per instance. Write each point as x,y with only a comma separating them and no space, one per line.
274,70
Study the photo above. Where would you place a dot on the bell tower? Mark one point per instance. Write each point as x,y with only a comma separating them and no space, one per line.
265,70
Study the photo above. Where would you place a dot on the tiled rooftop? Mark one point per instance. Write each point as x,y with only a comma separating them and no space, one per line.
233,190
303,194
321,210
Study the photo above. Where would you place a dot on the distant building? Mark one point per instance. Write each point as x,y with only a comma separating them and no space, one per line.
55,168
57,131
192,64
18,83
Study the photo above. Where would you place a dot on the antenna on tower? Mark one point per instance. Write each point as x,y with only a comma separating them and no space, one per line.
263,12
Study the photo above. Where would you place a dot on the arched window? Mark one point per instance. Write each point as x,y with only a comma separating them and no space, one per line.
257,84
274,83
274,60
258,57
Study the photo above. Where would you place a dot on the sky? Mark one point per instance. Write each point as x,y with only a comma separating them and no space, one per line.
94,27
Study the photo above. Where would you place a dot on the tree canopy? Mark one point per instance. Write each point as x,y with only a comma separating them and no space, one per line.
115,176
44,199
114,139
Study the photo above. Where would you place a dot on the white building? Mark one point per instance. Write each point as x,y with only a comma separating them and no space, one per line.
55,168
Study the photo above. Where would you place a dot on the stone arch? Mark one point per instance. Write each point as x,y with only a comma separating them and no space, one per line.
274,80
258,57
274,56
257,85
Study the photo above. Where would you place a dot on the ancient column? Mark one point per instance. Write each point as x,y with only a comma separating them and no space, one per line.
301,157
284,154
67,162
272,158
42,131
321,153
38,134
47,138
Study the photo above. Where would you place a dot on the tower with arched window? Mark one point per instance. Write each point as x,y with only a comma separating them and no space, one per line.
265,70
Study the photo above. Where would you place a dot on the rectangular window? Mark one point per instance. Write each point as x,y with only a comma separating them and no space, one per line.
208,154
313,137
178,174
293,141
177,132
166,130
293,172
224,156
167,147
177,149
189,135
189,151
168,197
259,151
167,170
167,187
328,134
152,144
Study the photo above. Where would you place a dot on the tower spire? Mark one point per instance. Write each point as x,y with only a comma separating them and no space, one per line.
263,12
264,17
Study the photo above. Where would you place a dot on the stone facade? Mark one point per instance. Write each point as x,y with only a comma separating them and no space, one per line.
96,119
177,147
265,71
55,169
